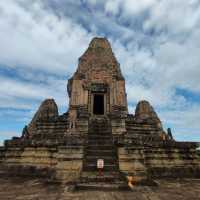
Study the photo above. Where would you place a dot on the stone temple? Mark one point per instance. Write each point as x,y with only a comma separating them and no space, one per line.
65,148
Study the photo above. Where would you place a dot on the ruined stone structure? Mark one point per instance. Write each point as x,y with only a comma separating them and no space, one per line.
97,126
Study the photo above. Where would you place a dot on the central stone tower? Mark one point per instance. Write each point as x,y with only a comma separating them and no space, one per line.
97,110
97,88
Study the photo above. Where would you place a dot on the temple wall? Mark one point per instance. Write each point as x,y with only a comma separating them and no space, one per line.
112,93
59,164
159,162
69,163
132,163
79,95
82,126
118,127
121,95
99,76
173,162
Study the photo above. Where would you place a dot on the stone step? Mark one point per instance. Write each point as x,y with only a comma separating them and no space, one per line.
53,129
51,132
99,129
101,133
47,139
141,124
52,122
99,137
100,142
101,125
99,153
103,186
104,157
106,162
93,167
99,147
143,133
101,176
142,128
52,126
49,135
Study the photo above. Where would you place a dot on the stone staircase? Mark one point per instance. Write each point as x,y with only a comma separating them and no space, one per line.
100,145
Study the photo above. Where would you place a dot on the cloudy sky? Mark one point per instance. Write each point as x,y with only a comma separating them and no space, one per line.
157,43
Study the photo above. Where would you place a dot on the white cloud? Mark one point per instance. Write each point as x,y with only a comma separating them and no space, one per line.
112,6
128,7
183,118
135,7
156,42
177,16
14,91
39,39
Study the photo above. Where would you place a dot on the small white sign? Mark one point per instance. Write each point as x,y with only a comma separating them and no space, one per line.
100,163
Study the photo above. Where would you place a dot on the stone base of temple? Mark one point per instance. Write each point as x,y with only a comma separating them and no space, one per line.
136,157
59,164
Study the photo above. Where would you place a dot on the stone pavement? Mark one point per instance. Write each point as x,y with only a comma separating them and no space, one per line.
36,189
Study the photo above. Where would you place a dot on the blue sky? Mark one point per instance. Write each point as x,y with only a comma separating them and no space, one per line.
157,43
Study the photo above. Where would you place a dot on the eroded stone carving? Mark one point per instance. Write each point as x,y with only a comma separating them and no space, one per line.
145,112
48,110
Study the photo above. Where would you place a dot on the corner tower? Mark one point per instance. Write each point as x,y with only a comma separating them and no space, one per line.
97,88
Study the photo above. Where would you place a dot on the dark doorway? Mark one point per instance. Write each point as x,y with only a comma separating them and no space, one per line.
98,106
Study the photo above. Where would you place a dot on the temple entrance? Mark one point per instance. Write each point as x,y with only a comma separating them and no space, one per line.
98,104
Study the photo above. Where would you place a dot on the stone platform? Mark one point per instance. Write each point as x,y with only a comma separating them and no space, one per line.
37,189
